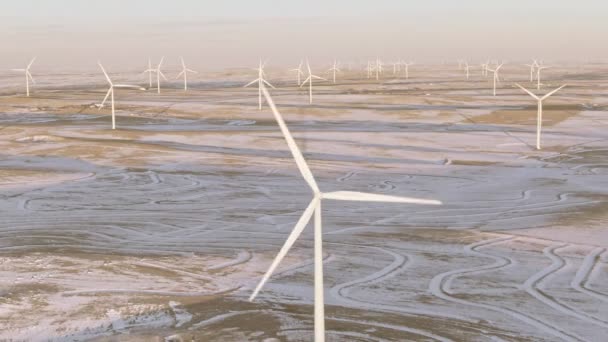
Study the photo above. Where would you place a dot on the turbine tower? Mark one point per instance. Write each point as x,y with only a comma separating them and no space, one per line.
539,117
495,71
334,69
315,208
110,93
185,72
260,81
309,81
28,76
298,72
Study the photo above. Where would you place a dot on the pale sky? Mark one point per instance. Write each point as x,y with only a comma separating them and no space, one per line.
216,34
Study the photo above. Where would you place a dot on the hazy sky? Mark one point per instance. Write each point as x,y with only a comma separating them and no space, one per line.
235,32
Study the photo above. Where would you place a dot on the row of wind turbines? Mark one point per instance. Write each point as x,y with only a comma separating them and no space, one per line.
373,69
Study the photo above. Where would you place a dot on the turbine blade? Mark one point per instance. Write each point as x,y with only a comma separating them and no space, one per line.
27,72
190,70
105,98
32,62
105,73
178,75
527,91
367,197
319,78
161,62
270,85
305,81
295,233
252,82
183,63
128,86
162,75
21,70
295,151
553,92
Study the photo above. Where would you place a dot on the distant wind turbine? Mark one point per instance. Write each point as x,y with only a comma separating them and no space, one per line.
298,72
407,68
539,118
309,81
159,74
150,71
185,72
538,69
260,81
28,76
334,69
110,93
466,68
495,71
378,68
484,68
315,208
532,67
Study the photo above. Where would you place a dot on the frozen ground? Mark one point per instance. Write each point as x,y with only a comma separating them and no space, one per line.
162,227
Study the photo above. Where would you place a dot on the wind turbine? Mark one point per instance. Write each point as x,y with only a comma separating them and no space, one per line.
111,93
309,81
378,68
28,76
260,80
185,72
484,68
539,118
532,67
538,69
466,68
495,71
369,69
334,69
315,207
298,72
159,74
149,71
407,69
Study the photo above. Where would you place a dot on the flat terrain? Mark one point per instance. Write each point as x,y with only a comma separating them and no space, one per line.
164,226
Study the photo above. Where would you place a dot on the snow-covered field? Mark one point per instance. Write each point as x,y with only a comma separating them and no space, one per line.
160,230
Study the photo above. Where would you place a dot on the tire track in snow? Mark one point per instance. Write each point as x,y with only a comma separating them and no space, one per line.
438,283
582,275
532,287
399,263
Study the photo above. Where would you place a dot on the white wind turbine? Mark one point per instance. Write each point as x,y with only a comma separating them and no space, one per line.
309,81
369,69
28,76
484,68
159,73
298,72
260,81
538,69
150,71
378,68
539,117
495,71
315,207
532,67
466,68
110,93
407,69
185,72
334,69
